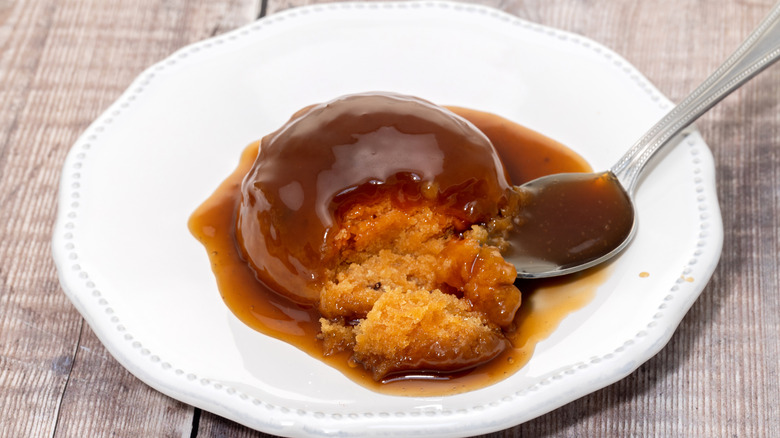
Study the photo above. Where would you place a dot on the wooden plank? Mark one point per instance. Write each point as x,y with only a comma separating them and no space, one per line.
61,64
211,425
38,328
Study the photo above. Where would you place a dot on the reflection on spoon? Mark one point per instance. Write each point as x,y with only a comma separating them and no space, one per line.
570,222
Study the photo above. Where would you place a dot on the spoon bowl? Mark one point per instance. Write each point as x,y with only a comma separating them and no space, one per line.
571,222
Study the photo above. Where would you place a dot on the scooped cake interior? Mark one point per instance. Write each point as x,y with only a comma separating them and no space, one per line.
409,293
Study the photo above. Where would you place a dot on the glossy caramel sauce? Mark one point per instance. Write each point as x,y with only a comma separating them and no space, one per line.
525,154
548,238
354,150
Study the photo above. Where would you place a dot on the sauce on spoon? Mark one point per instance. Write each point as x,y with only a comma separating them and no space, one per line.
569,219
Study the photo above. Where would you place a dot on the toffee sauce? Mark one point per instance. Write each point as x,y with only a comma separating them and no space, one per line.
352,150
526,155
547,238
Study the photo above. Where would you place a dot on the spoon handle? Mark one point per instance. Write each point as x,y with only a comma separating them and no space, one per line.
760,50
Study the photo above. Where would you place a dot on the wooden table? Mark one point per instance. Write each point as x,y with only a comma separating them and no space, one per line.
62,62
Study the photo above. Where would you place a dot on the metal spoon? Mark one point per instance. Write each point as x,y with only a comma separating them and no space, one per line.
559,232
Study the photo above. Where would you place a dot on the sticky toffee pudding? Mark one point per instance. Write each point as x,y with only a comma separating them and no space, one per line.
368,231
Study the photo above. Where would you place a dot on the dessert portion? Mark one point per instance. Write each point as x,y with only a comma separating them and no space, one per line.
388,214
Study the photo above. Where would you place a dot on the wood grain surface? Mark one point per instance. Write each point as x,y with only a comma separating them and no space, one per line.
62,62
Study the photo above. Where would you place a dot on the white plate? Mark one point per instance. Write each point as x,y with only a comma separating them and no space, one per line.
130,266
